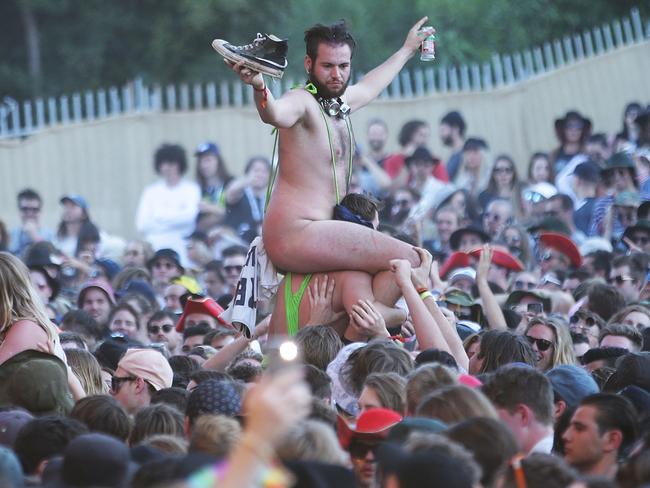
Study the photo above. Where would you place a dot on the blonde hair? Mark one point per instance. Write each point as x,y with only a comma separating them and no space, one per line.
215,435
455,403
563,345
18,297
312,440
87,369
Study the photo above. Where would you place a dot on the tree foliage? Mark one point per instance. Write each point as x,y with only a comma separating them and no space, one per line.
87,44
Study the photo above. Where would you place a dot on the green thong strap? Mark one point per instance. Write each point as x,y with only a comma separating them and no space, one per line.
292,302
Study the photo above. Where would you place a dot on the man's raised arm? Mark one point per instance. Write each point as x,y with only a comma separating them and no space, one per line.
283,112
369,88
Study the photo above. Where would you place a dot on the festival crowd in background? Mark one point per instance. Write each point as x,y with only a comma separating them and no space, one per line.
518,358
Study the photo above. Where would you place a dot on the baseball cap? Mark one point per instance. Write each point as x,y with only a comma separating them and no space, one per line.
148,364
588,171
214,397
571,383
460,273
11,422
206,148
78,200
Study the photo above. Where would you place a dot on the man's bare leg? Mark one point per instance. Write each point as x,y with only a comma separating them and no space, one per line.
333,245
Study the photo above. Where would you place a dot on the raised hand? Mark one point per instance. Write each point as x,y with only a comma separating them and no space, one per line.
484,263
416,35
420,275
246,74
320,294
402,270
367,321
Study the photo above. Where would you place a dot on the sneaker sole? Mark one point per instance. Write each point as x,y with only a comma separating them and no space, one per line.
218,45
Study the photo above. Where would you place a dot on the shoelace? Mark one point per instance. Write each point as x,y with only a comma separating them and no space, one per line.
256,42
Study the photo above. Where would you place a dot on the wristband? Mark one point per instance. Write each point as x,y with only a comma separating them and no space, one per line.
266,97
421,289
426,294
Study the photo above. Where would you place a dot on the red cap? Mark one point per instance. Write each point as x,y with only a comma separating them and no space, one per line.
204,305
562,244
501,257
457,259
374,422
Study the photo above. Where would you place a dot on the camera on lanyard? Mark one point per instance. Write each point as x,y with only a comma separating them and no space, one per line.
335,107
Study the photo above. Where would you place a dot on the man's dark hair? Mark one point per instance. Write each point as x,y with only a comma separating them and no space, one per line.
74,338
365,206
218,334
196,330
614,412
172,153
601,261
455,119
245,372
81,322
318,345
233,251
489,440
379,356
102,413
214,266
377,121
501,347
624,330
637,262
607,354
44,437
565,201
598,138
605,300
475,144
174,397
408,130
436,356
514,385
319,382
162,314
336,33
202,375
540,469
28,194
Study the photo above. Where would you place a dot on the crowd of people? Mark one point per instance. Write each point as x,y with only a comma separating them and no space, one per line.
513,353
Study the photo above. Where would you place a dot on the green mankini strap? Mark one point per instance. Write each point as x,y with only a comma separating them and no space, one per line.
292,302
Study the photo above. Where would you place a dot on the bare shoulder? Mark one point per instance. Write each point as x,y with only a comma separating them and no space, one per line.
25,326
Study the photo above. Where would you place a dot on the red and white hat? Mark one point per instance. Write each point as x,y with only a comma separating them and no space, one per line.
205,305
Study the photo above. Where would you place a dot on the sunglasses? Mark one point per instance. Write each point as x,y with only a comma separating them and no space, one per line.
575,318
503,170
359,450
230,268
116,382
640,240
30,209
402,203
155,329
619,280
523,285
533,196
542,344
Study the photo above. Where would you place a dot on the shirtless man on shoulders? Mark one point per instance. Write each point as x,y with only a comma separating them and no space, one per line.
299,235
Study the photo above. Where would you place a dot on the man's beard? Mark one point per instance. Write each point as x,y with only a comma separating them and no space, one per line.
324,91
448,141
